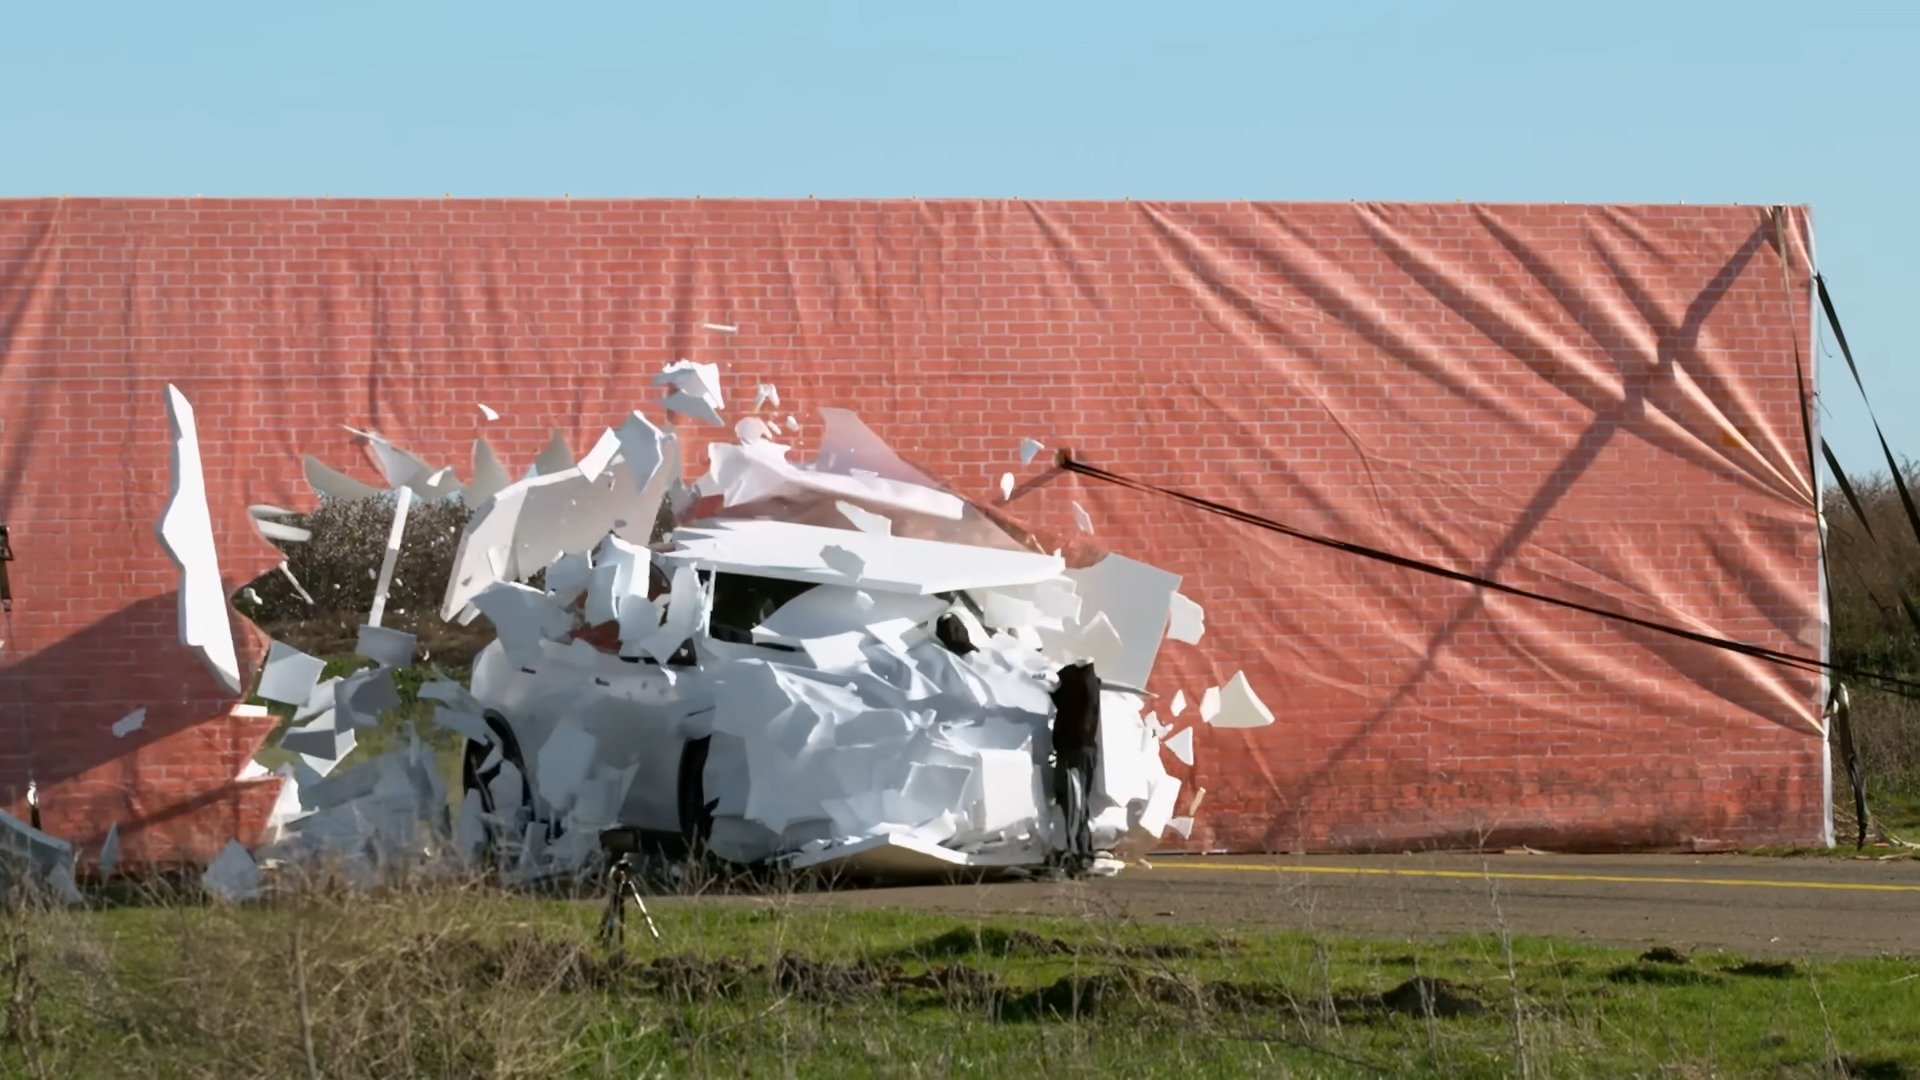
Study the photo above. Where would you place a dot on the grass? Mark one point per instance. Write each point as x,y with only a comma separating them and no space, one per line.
453,980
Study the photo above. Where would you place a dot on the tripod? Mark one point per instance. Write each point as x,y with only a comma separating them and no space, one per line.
620,886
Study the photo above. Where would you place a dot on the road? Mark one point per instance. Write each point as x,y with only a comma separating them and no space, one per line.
1763,907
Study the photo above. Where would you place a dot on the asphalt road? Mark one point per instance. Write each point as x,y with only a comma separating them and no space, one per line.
1765,907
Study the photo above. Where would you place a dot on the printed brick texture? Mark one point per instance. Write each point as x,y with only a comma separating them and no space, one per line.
1595,401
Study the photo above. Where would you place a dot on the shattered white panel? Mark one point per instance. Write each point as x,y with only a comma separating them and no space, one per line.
489,476
331,484
289,675
777,549
698,408
130,723
1134,598
384,646
560,766
402,503
865,520
685,611
1181,745
186,531
110,852
1187,620
523,617
486,552
699,380
361,698
323,738
1028,449
557,457
600,456
758,471
233,877
1235,705
1082,520
829,610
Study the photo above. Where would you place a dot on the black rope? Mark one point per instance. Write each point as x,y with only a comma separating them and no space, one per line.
1893,467
1787,659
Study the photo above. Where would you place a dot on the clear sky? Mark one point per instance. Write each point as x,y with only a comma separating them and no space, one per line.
1754,102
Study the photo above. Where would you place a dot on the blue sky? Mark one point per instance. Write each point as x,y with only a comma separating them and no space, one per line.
1755,102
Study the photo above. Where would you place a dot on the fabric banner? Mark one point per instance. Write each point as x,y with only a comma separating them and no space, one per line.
1600,402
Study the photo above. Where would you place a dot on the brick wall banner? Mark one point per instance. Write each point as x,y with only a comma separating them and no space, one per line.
1600,402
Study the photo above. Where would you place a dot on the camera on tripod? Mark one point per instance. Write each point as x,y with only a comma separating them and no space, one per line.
620,844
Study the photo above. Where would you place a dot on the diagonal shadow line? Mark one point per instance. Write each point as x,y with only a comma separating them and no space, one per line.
41,271
1673,341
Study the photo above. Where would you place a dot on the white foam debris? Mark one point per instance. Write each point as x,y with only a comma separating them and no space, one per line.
694,390
1181,745
600,456
1179,703
278,530
130,723
489,476
488,414
323,738
1186,620
752,429
38,863
360,698
720,328
234,876
331,484
867,659
865,520
384,646
186,532
1081,520
402,502
110,852
294,583
563,762
1181,825
1234,705
557,457
1134,598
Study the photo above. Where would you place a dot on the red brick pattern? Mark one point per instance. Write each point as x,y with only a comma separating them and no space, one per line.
1597,401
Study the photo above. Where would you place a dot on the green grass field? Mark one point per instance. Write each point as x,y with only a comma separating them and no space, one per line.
451,981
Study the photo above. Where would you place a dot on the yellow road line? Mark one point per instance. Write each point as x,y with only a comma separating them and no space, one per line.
1509,875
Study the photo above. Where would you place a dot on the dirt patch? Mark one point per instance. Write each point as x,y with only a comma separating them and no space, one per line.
1660,974
987,941
1873,1068
835,984
1765,969
1423,996
998,942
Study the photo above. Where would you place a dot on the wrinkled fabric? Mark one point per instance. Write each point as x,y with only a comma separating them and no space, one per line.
1596,401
